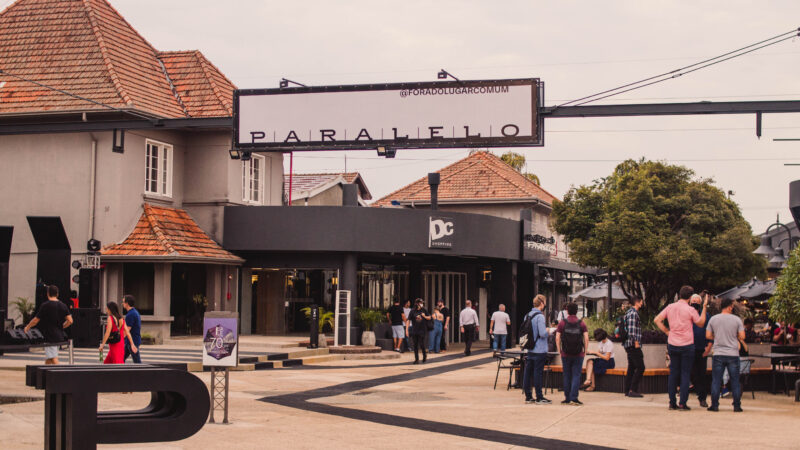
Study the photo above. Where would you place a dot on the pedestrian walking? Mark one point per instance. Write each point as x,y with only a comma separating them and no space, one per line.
446,313
116,331
633,348
537,355
498,328
572,340
468,319
680,344
133,322
435,335
51,319
702,348
419,328
397,318
727,331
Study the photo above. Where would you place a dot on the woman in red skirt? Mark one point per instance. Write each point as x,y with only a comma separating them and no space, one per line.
116,331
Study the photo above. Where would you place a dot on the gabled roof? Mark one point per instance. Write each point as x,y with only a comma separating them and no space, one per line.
168,233
480,177
309,184
85,47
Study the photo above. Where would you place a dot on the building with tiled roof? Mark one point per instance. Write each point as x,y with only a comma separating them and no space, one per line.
317,189
113,140
86,48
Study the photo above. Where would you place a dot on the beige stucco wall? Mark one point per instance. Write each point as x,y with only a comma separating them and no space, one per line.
329,197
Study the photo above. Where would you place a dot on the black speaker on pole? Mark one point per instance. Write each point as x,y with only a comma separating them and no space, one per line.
86,328
89,288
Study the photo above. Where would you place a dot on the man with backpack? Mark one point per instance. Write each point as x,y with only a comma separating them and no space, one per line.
630,332
533,338
572,339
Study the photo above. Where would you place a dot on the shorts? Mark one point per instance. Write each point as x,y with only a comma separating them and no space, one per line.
51,351
601,365
398,331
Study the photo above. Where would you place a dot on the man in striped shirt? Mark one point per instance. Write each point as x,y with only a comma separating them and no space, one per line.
468,320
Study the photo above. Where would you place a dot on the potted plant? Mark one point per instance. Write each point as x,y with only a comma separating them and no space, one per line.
326,318
26,309
369,318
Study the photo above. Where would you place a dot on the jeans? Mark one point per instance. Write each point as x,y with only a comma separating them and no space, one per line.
469,336
572,376
635,369
499,342
136,357
435,336
680,370
534,370
718,366
699,378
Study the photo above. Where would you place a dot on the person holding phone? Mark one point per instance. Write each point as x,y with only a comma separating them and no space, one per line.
419,317
603,362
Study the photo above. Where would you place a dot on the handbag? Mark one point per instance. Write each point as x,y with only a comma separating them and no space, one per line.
114,337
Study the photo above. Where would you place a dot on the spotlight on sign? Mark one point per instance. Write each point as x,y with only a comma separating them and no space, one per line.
387,152
442,75
246,155
283,83
235,153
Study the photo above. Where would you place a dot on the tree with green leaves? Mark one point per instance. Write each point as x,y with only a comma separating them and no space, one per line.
517,162
784,305
658,227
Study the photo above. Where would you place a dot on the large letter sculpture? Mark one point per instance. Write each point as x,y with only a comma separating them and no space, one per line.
178,408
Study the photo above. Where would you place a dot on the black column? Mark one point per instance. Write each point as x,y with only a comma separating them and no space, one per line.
5,257
348,282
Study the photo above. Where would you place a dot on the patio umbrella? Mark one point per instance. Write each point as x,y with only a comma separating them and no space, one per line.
600,291
735,292
761,290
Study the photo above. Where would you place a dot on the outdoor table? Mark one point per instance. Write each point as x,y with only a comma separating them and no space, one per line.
517,356
775,359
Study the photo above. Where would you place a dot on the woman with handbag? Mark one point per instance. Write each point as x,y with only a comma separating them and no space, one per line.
115,332
435,335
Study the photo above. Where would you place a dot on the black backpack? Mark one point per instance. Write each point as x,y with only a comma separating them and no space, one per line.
621,329
572,338
527,340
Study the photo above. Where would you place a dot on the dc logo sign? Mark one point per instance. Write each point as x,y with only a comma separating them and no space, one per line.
440,232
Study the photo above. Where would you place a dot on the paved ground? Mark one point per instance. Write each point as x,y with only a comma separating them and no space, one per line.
446,403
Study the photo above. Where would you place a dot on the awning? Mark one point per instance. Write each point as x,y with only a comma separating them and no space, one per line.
598,291
735,292
761,290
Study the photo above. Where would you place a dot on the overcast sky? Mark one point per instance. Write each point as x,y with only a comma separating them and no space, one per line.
576,47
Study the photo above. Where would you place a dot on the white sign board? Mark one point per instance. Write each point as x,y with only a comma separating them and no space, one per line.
497,113
342,312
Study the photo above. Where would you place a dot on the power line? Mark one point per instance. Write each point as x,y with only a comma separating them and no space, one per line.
133,113
680,71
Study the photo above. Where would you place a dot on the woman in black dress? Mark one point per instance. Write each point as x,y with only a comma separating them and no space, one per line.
419,319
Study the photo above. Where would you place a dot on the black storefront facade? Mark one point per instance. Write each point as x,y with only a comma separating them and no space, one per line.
296,256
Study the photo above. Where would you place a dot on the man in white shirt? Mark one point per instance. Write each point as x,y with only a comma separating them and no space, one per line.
498,327
468,320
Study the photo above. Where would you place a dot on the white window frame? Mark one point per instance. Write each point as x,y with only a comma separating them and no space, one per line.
247,180
163,178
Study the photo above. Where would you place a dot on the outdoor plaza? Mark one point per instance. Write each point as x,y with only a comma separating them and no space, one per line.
449,402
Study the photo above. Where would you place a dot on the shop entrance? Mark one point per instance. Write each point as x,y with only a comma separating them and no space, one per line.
279,296
450,287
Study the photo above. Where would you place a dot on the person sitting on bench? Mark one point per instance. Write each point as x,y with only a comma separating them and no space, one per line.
604,360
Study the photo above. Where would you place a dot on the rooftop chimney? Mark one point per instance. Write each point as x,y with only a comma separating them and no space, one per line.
433,181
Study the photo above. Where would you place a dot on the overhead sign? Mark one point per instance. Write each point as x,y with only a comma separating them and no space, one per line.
536,247
440,232
488,113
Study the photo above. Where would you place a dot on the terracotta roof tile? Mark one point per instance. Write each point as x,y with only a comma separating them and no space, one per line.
480,176
165,231
86,47
202,88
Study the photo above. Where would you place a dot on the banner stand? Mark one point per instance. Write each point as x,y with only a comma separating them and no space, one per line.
220,353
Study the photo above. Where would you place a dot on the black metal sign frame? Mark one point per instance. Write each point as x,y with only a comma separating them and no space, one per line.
537,102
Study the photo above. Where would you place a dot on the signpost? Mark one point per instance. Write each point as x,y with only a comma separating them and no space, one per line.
220,352
442,114
342,309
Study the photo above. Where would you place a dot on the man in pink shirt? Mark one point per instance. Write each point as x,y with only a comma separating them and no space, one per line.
680,343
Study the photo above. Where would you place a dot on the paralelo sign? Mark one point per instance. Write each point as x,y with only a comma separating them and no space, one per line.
484,113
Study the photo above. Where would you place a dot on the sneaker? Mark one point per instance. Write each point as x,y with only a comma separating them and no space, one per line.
543,401
725,393
703,404
737,409
530,400
576,403
713,408
683,408
634,394
565,402
673,407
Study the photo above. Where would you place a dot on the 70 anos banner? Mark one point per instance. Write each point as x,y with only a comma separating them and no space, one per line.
486,113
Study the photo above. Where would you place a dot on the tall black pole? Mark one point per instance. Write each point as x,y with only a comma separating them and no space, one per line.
610,298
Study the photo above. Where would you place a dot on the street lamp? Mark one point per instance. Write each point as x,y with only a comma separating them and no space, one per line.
775,255
778,261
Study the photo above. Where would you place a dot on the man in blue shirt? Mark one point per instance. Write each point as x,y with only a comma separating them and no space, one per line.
537,356
133,322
